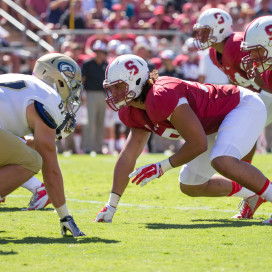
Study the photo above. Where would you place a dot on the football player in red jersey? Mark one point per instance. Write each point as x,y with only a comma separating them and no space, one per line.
258,60
213,30
214,120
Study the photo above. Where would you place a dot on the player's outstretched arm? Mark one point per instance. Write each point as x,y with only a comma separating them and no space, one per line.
126,161
44,143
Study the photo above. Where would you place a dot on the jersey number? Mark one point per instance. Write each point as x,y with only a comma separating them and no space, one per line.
61,107
16,85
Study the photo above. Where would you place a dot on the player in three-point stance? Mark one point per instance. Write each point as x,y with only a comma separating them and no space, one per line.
213,30
215,121
43,104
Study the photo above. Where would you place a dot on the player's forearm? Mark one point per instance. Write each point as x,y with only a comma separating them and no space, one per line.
124,166
54,186
187,153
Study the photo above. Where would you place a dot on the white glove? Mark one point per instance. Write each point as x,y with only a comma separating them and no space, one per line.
106,214
149,172
68,223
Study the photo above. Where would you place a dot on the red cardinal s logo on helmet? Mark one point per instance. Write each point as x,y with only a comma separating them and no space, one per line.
131,66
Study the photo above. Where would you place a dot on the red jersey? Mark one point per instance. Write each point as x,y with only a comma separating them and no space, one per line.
210,103
230,61
267,78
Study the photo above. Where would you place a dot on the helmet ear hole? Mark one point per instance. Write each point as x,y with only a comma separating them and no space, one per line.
138,81
221,30
61,84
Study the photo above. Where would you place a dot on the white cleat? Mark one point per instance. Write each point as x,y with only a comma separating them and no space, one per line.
248,207
39,200
268,221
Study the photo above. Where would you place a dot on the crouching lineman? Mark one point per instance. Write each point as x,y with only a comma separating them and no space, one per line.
219,124
43,104
258,60
214,30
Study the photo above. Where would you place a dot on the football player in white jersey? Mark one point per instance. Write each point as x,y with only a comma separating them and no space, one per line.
43,104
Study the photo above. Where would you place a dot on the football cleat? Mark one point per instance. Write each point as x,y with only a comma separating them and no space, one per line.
268,221
39,200
248,207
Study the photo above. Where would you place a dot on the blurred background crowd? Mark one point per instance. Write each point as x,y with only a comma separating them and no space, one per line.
93,32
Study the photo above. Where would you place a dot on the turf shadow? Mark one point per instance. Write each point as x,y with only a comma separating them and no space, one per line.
218,223
62,240
15,209
8,252
248,222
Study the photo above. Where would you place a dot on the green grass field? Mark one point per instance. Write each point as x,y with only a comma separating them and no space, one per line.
156,228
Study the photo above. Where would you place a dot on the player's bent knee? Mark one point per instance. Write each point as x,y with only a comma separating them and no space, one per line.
34,162
15,151
38,162
224,164
192,190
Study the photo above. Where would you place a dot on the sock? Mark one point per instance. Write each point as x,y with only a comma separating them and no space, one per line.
266,191
248,161
32,184
240,191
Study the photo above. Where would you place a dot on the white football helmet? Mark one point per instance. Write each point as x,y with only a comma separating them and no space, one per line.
258,43
64,75
124,79
213,26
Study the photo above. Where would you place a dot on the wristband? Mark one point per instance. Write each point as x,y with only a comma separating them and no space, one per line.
62,211
165,165
114,199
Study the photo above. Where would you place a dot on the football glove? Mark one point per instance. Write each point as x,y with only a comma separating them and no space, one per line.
68,223
106,214
149,172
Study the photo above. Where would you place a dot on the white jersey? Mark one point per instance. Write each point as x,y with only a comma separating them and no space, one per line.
17,91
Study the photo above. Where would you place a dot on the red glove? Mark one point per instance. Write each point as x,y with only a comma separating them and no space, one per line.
149,172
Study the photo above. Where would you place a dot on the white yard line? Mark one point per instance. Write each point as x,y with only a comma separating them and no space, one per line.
183,208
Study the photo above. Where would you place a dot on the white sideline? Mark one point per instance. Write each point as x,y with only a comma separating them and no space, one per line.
203,208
